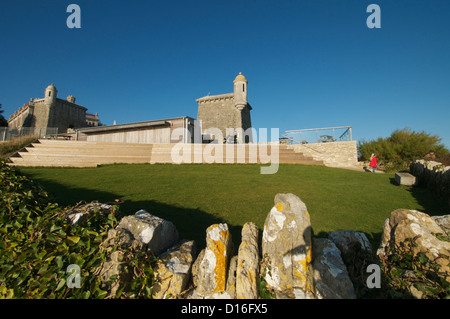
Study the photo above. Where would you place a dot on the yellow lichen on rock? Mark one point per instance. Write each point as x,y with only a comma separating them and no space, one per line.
279,207
221,266
219,248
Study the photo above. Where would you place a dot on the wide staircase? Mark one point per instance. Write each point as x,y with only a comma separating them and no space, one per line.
90,154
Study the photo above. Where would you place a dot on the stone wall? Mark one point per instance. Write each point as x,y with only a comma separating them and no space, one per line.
64,115
22,117
434,176
291,263
41,114
220,112
333,154
286,262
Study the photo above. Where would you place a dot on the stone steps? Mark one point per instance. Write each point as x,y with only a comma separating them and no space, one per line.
41,151
89,154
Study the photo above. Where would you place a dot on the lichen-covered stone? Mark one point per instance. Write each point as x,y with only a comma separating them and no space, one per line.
287,244
173,270
331,278
231,277
247,270
153,232
405,224
211,270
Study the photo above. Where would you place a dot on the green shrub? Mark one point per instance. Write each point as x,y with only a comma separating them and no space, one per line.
414,274
37,244
404,146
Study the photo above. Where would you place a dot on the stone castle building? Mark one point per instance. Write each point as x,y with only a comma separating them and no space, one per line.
52,112
227,111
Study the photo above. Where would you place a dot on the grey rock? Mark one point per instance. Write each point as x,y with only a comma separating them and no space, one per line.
153,232
331,278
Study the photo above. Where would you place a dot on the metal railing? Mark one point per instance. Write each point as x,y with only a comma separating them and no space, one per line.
7,133
317,135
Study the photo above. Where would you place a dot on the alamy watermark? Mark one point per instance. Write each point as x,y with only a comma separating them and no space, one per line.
374,279
374,19
228,150
74,19
74,279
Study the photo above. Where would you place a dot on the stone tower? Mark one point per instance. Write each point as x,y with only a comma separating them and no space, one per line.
229,113
240,92
45,119
50,95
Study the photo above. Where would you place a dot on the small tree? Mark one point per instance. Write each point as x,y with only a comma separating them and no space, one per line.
401,148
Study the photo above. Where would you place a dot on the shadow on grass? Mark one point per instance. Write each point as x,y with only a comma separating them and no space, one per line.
190,223
432,204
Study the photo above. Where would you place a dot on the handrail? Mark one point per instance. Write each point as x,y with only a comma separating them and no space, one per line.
316,129
288,137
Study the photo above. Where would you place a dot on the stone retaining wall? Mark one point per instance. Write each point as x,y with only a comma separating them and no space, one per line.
434,176
333,154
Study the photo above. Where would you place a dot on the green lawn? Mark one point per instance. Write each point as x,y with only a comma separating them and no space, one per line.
194,196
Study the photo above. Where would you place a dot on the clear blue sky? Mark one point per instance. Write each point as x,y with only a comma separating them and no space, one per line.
309,63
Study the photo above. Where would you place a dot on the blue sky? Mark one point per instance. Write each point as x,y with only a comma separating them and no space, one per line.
309,63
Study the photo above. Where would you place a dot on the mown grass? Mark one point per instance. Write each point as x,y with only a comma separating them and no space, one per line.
194,196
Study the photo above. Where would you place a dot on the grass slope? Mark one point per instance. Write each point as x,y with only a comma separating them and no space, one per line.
194,196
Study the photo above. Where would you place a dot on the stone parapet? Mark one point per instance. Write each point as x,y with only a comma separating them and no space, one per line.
333,154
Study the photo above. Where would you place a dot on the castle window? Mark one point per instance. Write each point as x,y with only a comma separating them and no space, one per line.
49,93
243,87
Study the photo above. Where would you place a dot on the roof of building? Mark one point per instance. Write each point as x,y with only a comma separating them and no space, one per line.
104,128
240,77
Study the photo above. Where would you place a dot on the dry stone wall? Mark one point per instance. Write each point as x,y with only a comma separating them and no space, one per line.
434,176
288,260
289,263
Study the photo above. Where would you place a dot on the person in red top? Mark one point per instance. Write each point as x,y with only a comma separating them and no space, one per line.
373,162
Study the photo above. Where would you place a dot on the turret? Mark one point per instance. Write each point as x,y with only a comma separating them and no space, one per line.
50,104
71,99
50,94
240,92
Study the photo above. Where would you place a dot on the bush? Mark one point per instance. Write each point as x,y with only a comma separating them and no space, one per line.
403,147
414,275
445,160
38,244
